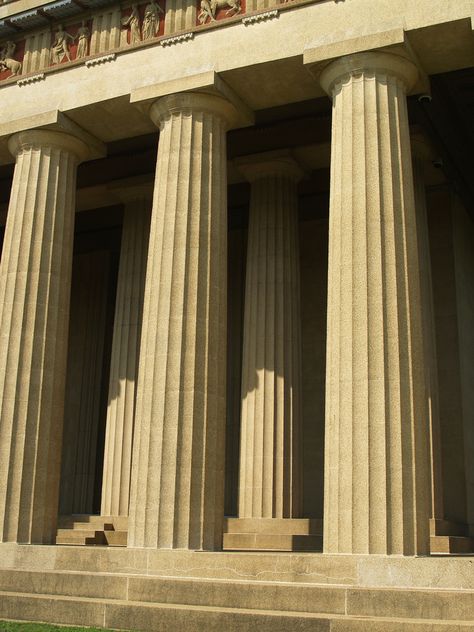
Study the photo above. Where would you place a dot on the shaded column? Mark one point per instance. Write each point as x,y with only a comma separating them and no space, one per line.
422,154
177,483
377,473
84,408
35,283
125,351
270,451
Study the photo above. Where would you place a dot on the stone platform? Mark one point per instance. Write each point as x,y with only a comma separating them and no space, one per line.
176,590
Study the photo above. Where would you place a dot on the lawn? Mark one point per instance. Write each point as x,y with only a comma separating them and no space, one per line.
10,626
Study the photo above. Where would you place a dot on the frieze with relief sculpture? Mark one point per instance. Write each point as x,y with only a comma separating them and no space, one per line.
143,22
209,9
151,20
83,35
7,62
132,22
60,45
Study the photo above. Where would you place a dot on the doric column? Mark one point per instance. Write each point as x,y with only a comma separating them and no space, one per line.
178,457
125,350
270,460
35,280
423,154
377,474
83,406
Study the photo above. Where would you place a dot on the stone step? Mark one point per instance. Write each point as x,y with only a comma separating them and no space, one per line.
88,521
91,537
441,605
449,544
278,526
158,617
271,542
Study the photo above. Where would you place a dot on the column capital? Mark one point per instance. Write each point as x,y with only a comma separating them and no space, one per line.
29,139
376,63
270,164
190,102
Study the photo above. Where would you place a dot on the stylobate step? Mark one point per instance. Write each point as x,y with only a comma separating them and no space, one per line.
443,605
126,615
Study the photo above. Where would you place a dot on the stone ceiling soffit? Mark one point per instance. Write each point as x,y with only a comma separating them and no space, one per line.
52,120
208,82
394,40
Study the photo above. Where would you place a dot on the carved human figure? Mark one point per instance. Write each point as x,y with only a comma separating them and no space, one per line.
209,9
133,21
7,62
60,46
151,20
82,41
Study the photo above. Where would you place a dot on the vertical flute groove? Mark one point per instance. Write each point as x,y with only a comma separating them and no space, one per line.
124,359
376,472
177,458
270,422
35,276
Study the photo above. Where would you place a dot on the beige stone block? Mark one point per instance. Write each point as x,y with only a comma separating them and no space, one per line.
51,609
281,526
239,594
390,625
63,583
271,542
411,604
171,618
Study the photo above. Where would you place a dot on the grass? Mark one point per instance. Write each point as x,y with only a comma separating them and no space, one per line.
11,626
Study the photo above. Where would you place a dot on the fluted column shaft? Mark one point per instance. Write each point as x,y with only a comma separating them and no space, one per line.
124,360
35,279
377,478
270,461
422,154
178,458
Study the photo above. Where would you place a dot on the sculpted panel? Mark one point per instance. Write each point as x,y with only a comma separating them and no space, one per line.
7,61
108,30
210,8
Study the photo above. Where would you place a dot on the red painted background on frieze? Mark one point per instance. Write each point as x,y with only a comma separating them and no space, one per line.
141,12
17,55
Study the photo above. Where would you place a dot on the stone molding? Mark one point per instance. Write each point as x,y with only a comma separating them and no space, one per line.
260,17
372,63
31,79
46,138
162,109
176,39
96,61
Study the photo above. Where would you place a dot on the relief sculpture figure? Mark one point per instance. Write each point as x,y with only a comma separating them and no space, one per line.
6,59
209,9
60,46
151,20
133,21
82,41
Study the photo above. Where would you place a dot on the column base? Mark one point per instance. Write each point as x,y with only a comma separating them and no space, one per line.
273,534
